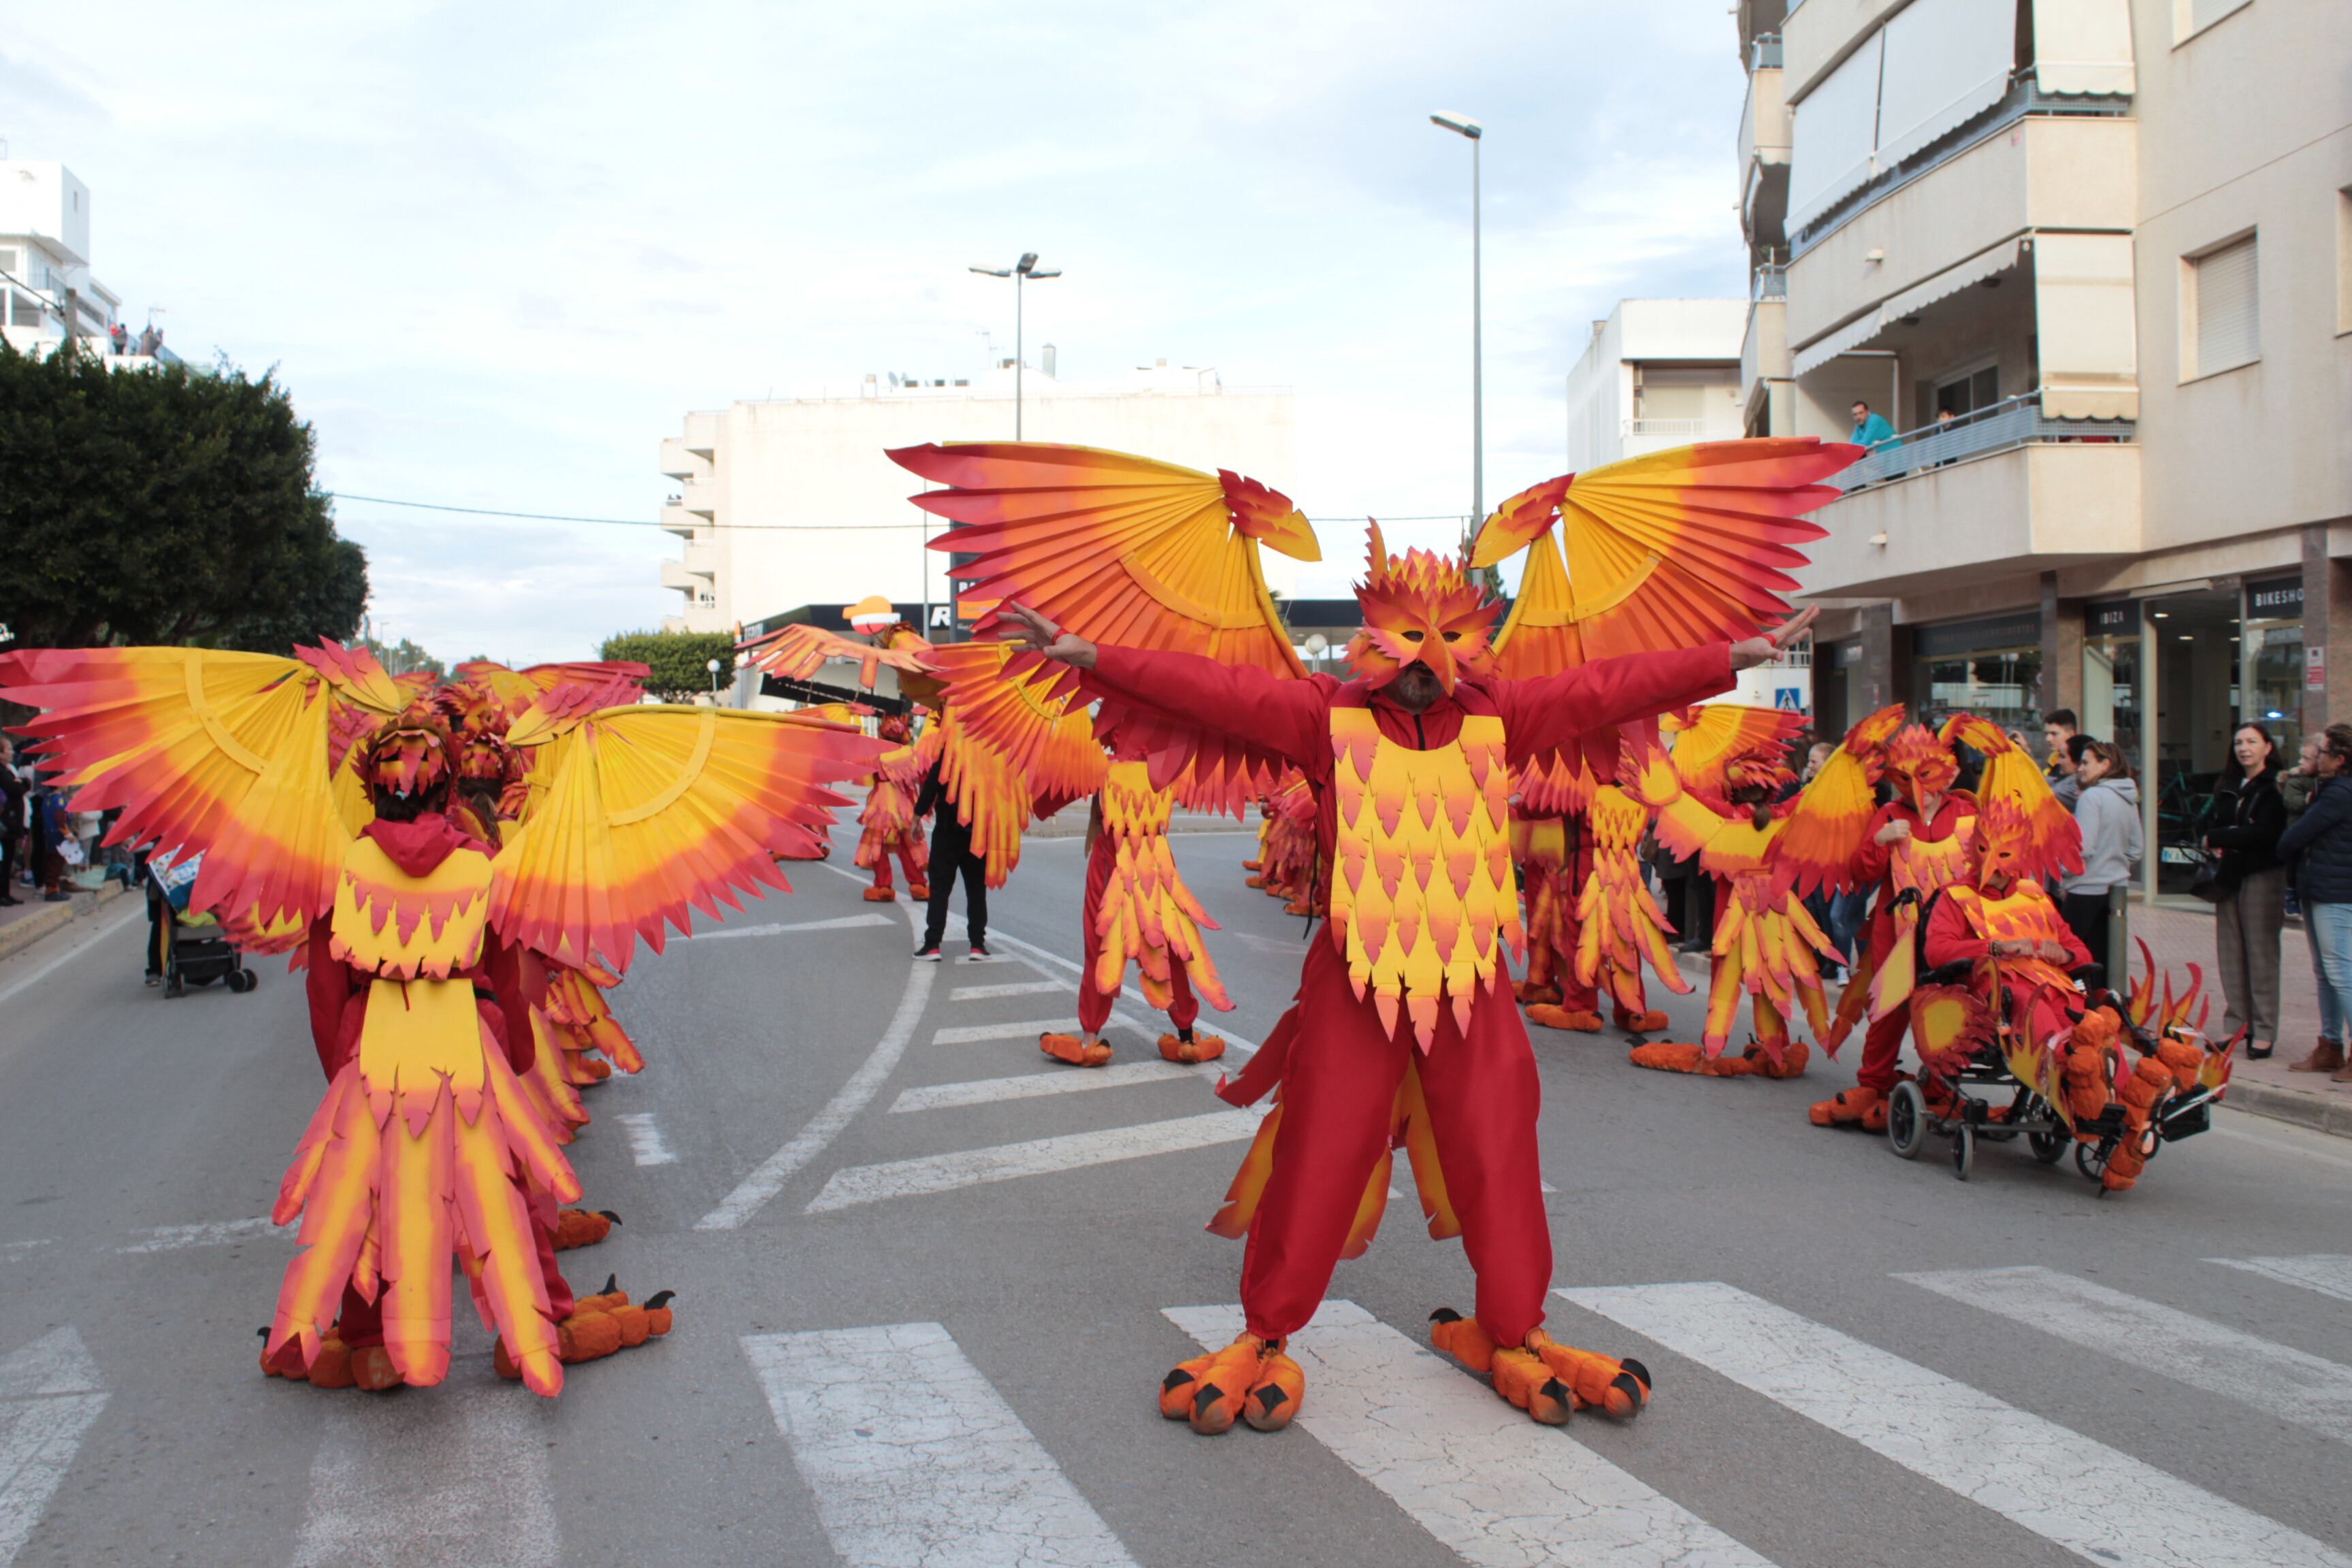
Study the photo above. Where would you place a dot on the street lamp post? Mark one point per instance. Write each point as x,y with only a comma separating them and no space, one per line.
1025,270
1463,125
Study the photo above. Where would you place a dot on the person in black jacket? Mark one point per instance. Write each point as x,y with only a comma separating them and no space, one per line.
2318,846
12,790
2243,826
951,855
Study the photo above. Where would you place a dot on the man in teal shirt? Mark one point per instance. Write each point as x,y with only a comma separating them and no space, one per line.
1871,431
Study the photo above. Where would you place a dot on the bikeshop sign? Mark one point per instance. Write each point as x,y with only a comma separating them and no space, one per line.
2275,599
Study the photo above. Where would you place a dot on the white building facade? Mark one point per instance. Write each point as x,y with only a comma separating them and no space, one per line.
794,501
1657,374
46,287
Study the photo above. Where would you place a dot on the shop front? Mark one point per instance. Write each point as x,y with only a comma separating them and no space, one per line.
1991,666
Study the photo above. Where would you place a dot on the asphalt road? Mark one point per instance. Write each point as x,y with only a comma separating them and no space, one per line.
921,1312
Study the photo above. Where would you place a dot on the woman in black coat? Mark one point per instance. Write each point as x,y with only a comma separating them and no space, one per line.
2242,824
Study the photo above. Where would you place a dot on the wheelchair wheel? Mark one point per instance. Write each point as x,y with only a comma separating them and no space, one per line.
2091,1162
1907,1119
1964,1151
2047,1146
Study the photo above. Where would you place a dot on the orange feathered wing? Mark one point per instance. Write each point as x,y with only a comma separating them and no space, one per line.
1824,833
224,752
1123,550
1710,738
798,652
652,811
2010,774
1002,702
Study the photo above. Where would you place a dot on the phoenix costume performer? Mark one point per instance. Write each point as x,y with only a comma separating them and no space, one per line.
1402,1032
426,1145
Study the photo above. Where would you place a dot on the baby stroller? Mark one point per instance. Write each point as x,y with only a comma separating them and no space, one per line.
186,948
1959,1093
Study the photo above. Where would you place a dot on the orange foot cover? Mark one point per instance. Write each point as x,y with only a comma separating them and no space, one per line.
1679,1055
1552,1017
599,1326
1070,1048
1250,1380
582,1227
1199,1048
1857,1106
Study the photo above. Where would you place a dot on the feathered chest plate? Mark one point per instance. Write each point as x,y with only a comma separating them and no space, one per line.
1422,893
1917,864
400,927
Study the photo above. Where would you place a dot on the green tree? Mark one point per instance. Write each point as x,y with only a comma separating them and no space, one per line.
164,506
680,661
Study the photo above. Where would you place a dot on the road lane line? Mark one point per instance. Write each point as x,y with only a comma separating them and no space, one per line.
2096,1501
646,1145
173,1238
915,1460
1019,1029
1030,1085
2329,1273
1234,1045
1473,1472
50,1396
843,922
780,1167
61,960
2279,1379
1016,988
858,1184
454,1474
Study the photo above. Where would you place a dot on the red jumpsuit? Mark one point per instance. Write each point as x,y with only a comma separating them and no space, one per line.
1882,1047
1339,1069
1952,939
338,993
1094,1005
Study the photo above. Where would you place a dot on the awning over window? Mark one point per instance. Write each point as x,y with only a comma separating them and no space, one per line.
2084,319
2083,46
1833,134
1947,62
1859,331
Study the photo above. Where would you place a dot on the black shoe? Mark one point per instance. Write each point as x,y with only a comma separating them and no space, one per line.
60,897
8,899
929,951
978,953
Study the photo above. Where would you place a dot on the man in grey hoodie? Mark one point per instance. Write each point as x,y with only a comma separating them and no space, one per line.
2106,807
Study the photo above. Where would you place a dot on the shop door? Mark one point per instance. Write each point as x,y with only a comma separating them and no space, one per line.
2194,640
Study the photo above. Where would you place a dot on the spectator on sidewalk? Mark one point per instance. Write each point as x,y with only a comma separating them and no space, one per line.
2057,727
13,797
2242,826
2297,782
2065,783
52,828
2317,848
2108,812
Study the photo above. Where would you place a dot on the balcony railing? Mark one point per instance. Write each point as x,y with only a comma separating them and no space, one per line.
1684,429
1995,427
1764,51
1771,283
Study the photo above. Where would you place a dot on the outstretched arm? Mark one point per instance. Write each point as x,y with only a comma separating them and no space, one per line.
1553,711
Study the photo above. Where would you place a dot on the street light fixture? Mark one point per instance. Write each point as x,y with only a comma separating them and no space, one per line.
1463,126
1025,270
712,666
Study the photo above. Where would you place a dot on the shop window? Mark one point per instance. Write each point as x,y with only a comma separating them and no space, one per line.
2223,298
2196,648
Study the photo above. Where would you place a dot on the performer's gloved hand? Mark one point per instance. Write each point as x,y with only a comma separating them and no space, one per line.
1749,652
1036,633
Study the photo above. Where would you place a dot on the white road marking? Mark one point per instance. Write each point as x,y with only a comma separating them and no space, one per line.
970,1167
1029,1086
173,1238
44,971
1020,1029
453,1474
769,1179
646,1145
916,1461
50,1395
843,922
1235,1045
1014,988
1476,1473
2329,1273
2096,1501
2279,1379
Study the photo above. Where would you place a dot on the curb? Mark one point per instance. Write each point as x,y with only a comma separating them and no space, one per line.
18,935
2321,1115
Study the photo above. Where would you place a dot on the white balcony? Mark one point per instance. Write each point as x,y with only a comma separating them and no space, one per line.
676,518
700,496
676,574
702,557
680,463
1764,135
2004,493
701,436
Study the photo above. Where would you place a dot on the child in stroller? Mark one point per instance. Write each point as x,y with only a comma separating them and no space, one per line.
186,946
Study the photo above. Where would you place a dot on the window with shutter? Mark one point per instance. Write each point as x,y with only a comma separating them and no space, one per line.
2227,301
2203,14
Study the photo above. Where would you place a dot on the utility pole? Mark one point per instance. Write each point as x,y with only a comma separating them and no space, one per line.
1463,126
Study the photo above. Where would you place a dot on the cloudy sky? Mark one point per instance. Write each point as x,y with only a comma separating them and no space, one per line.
496,252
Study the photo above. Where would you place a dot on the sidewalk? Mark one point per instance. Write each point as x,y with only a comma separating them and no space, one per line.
28,923
2179,934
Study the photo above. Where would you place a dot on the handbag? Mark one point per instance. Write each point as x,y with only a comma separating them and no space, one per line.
2205,883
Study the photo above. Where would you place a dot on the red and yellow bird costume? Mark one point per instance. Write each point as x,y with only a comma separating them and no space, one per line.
1401,1034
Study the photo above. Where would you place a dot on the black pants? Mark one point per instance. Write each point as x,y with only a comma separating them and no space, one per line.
2085,915
951,856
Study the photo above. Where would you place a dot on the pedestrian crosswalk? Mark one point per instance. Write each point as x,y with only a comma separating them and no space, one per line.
2329,1273
894,1480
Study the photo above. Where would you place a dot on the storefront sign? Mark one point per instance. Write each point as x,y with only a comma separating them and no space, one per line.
1849,654
2274,599
1992,635
2111,620
2315,667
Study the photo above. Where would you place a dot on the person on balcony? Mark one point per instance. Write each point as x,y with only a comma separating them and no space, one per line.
1871,430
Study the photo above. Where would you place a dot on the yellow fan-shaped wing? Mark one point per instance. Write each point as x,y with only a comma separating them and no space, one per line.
652,811
1668,550
1000,700
2009,774
797,652
223,753
1821,836
1710,738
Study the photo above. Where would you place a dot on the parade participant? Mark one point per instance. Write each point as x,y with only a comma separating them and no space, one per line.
1398,1023
412,1159
888,822
1137,908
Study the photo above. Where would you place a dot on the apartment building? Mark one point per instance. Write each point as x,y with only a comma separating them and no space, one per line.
46,288
1657,374
791,503
2093,260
